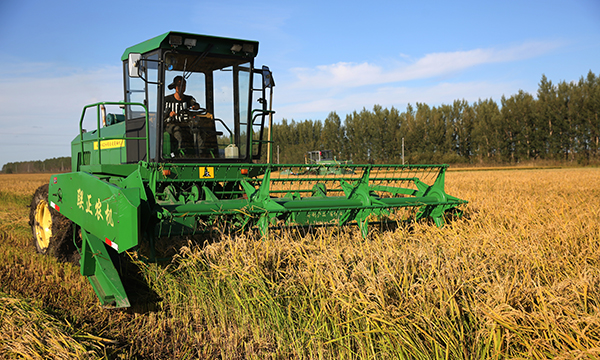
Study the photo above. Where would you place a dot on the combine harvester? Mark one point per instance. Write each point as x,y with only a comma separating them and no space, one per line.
331,166
164,167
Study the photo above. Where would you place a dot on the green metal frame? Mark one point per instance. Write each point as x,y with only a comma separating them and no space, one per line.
310,200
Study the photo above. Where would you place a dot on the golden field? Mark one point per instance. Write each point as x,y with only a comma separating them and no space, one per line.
517,277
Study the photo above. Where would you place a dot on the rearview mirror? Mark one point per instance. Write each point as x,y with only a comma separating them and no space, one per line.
268,81
134,64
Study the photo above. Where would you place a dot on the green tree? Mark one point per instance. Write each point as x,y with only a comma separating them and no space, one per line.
332,135
414,135
566,124
486,126
547,118
463,121
591,112
519,127
357,135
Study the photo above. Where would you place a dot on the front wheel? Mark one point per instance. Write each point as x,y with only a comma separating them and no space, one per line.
52,232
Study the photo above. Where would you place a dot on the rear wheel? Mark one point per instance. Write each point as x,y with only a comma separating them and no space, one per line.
52,232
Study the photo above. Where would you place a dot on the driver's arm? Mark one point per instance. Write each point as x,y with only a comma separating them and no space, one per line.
194,104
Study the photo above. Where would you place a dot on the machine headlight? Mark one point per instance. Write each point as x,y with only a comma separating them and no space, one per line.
175,40
190,43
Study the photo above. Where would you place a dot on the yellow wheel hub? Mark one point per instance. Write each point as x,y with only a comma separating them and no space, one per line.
43,225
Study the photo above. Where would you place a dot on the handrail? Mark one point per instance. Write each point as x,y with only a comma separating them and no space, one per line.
254,115
260,112
98,137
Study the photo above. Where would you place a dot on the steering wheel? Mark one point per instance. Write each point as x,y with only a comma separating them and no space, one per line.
192,113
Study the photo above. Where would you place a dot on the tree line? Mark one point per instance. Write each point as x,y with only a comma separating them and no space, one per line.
54,165
561,123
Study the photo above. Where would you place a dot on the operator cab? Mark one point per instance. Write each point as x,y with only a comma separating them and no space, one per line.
206,101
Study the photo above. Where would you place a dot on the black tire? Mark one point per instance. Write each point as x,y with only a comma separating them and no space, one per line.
52,232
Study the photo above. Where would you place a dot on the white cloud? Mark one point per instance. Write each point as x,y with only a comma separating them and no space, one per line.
344,75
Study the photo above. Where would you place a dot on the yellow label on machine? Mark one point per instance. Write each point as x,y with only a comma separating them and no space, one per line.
110,144
207,172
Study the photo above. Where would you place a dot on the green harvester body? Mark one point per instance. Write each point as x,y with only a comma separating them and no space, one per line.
136,182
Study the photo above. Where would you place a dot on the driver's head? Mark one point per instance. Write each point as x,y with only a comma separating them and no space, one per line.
178,84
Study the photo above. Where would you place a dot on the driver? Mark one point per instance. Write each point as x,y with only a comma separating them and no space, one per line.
174,104
178,101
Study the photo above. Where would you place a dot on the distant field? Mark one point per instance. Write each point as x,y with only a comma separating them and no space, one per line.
517,277
22,184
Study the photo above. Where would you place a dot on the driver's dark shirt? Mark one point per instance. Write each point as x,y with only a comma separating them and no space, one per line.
172,104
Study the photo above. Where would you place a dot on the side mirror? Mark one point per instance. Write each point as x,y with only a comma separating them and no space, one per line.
268,81
134,64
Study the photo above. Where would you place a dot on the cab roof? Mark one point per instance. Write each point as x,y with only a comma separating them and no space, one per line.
196,43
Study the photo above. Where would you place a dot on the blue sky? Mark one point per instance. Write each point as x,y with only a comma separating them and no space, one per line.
57,56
